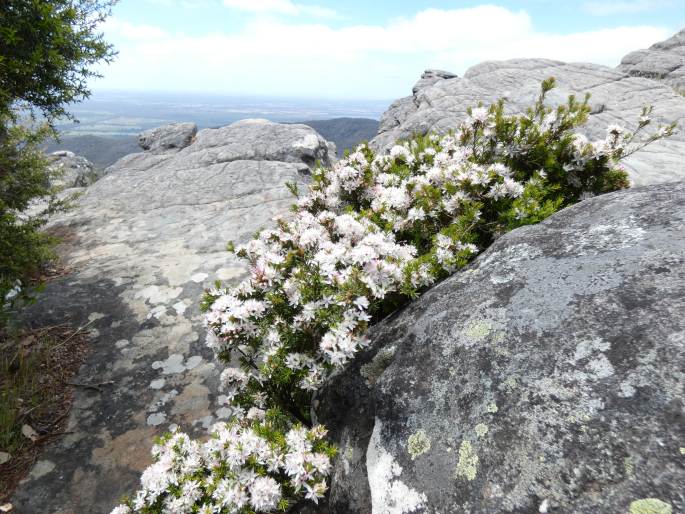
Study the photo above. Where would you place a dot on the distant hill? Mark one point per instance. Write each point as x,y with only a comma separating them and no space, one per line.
346,133
100,150
103,151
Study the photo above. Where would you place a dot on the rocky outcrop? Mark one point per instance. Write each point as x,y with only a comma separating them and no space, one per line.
662,61
430,77
168,138
546,377
253,140
616,98
72,170
144,242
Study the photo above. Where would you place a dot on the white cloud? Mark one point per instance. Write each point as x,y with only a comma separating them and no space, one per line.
272,57
614,7
280,7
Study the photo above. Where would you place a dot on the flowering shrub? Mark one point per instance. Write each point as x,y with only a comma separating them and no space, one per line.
369,235
253,464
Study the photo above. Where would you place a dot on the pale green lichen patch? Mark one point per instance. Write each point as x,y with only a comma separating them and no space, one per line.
478,330
629,467
467,466
374,369
481,429
418,444
510,383
682,451
650,506
492,408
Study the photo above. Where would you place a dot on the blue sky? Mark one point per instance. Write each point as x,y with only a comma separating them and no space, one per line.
360,49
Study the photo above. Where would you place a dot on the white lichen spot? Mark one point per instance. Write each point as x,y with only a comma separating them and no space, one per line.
627,389
224,413
492,408
156,419
600,367
173,364
229,273
159,294
180,307
650,506
94,316
481,430
206,421
157,312
418,444
467,465
682,451
157,384
41,468
198,278
586,348
193,362
389,495
544,507
121,343
501,279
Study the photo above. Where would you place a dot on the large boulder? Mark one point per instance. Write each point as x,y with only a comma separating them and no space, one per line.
662,61
546,377
168,138
71,170
253,140
616,98
142,245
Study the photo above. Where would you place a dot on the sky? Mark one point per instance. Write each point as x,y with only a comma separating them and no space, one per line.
359,49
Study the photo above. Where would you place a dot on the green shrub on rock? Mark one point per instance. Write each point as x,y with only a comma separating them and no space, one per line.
369,235
48,47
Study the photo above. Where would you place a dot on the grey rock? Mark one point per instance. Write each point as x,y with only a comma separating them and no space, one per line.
616,98
251,140
663,61
168,138
549,372
142,245
430,77
72,170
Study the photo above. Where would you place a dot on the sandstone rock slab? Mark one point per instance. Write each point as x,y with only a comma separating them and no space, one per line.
616,98
662,61
141,246
168,138
73,170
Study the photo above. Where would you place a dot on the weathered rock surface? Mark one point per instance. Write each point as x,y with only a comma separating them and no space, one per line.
144,242
549,373
168,138
662,61
254,140
430,77
616,98
74,170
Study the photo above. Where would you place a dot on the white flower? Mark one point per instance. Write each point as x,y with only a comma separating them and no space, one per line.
361,302
479,115
265,493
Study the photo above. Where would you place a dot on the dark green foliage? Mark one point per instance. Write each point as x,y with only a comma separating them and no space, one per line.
47,49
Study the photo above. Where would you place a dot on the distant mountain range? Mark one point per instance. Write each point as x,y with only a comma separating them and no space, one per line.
104,150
